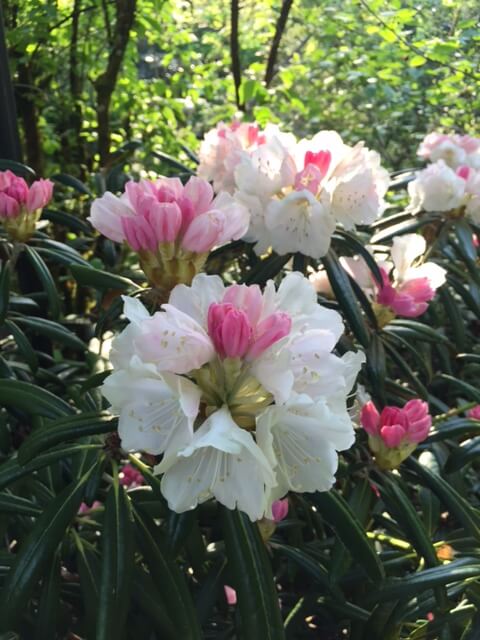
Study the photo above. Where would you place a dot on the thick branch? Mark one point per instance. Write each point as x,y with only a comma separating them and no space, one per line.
279,29
235,50
105,83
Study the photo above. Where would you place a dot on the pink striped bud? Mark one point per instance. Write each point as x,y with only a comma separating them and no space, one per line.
268,332
203,232
370,418
139,233
9,207
229,329
419,420
39,195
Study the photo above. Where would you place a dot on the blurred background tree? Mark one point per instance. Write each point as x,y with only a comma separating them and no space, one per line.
98,81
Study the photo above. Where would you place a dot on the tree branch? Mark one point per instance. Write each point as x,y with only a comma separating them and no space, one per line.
235,51
105,82
279,29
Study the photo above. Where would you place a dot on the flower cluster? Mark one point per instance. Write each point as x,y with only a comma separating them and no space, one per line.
297,191
172,226
21,205
407,285
452,182
238,389
394,433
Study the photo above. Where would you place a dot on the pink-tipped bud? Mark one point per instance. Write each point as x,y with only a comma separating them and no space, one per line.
419,420
463,172
17,188
247,298
321,160
39,195
280,509
229,329
9,207
139,233
203,233
165,220
370,418
268,332
474,413
392,435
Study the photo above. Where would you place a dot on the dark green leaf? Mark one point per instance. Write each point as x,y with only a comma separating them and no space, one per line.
70,181
32,399
37,550
54,331
4,290
47,281
71,428
251,573
23,344
46,620
91,277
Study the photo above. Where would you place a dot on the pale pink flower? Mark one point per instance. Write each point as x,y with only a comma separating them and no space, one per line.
172,226
474,413
84,508
232,385
453,149
298,193
394,433
437,188
21,205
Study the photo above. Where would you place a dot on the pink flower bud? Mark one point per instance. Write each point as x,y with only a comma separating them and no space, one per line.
392,435
321,160
230,594
247,298
463,172
280,509
17,189
130,477
165,219
419,420
204,232
268,331
39,195
229,329
200,194
370,418
139,233
474,413
9,207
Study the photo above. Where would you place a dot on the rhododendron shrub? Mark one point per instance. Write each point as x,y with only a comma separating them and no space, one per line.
242,402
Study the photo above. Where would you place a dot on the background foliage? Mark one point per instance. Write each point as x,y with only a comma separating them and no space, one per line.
384,555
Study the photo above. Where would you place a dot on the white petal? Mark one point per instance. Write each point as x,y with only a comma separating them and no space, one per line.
195,299
222,461
273,370
134,310
156,412
435,274
301,437
405,250
174,341
106,216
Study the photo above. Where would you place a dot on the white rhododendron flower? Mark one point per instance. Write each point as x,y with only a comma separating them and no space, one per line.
298,194
239,389
221,148
454,150
440,188
437,188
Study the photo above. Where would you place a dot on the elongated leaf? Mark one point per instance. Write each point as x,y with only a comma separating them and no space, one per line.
89,569
12,470
4,290
407,586
72,222
37,549
423,331
459,507
46,620
338,515
376,366
470,391
18,168
47,281
266,269
211,586
309,565
358,247
117,565
70,181
454,316
148,599
463,455
170,160
345,296
401,228
91,277
70,428
454,428
23,344
54,331
32,399
15,504
404,367
167,577
251,573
